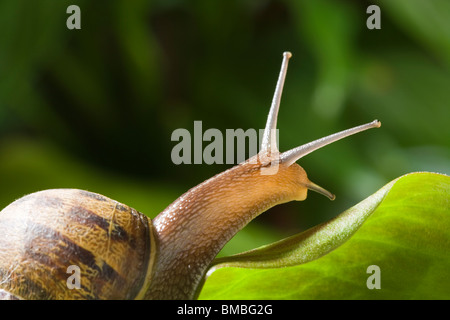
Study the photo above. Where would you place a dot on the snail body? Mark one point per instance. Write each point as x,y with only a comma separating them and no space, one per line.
121,253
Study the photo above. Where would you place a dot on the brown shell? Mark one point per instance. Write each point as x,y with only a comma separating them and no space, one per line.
44,233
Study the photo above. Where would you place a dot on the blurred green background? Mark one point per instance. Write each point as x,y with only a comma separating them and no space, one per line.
95,108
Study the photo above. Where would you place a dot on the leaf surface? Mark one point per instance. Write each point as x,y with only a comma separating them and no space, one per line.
403,228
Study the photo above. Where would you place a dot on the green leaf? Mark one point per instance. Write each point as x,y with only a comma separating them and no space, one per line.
403,229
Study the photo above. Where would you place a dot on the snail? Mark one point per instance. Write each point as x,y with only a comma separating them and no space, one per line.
121,253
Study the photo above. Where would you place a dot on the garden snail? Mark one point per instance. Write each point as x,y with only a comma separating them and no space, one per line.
121,253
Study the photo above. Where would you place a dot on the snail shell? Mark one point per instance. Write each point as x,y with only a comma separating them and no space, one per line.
46,232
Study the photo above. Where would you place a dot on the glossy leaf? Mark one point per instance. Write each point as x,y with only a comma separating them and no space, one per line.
403,229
